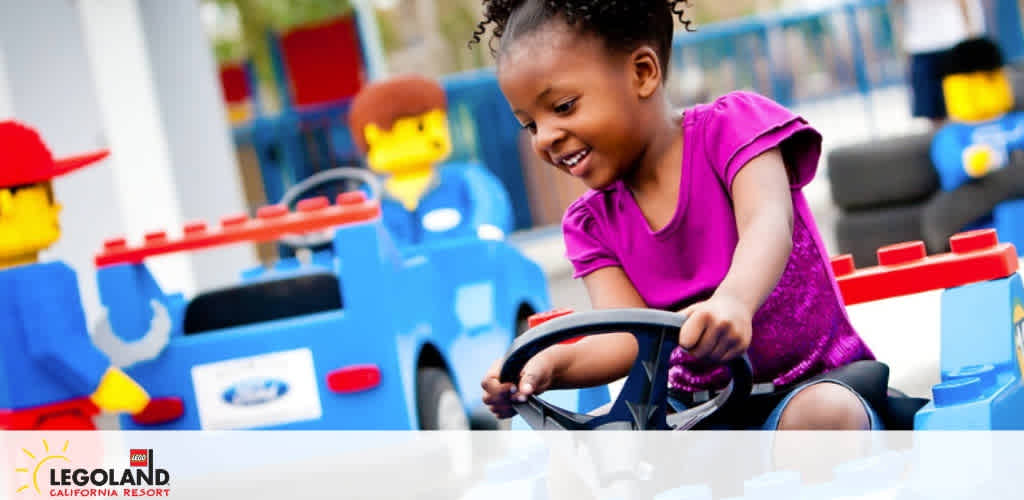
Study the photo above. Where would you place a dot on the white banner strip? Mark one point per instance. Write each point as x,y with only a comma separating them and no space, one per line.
525,465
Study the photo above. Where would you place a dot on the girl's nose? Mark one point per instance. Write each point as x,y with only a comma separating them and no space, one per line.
548,137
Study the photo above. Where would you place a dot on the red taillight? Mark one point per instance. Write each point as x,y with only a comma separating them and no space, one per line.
353,378
160,411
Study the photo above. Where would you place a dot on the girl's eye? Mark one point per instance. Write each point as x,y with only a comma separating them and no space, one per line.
565,107
532,127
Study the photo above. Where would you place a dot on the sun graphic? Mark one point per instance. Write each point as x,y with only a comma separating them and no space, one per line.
47,456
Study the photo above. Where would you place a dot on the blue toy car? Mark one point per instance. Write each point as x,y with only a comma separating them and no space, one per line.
355,334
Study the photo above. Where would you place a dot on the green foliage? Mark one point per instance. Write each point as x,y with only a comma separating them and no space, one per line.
286,14
457,25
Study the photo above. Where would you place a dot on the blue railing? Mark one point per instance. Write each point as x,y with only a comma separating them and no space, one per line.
792,58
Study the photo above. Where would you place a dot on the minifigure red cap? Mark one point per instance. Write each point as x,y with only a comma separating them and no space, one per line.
25,159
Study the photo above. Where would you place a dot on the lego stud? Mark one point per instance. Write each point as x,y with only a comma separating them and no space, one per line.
313,204
843,265
985,373
351,198
234,220
115,244
156,236
972,241
901,253
540,318
955,391
195,227
271,211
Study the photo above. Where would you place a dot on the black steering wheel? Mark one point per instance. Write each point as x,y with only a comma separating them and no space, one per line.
641,404
349,176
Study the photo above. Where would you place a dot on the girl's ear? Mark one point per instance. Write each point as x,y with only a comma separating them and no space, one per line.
645,70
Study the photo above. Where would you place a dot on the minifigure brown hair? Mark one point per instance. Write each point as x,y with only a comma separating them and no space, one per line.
385,102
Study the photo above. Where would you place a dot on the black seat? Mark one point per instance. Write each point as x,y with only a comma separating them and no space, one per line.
871,380
263,301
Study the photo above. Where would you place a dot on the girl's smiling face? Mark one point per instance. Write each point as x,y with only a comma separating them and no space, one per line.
580,101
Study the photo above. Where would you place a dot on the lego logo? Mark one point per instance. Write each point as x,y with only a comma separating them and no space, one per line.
138,457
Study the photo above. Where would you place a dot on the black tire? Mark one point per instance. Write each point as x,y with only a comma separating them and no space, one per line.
886,172
433,387
863,233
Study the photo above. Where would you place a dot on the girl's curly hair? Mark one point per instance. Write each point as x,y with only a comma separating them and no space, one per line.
622,24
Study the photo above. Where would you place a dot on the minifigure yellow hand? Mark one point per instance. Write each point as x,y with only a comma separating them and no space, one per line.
979,160
118,393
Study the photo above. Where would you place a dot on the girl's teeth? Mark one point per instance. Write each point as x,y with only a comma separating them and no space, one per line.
574,159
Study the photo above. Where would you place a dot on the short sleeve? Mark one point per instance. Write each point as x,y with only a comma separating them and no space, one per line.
584,245
742,125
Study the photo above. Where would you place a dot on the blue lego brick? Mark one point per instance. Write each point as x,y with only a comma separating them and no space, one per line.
981,364
978,325
47,356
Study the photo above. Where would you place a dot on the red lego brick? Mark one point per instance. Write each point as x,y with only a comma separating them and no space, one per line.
74,414
271,223
905,268
540,318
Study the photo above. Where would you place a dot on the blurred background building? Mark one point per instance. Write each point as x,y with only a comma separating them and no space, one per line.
217,106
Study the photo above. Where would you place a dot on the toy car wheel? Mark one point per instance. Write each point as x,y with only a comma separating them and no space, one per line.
440,407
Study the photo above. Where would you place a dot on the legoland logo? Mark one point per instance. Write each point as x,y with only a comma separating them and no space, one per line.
142,479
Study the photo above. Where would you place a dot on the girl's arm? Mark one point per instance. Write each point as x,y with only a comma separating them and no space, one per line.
594,360
720,328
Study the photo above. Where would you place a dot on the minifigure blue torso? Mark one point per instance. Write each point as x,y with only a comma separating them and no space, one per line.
46,355
465,188
1004,135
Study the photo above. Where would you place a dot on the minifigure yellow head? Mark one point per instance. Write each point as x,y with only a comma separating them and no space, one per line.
976,86
401,124
28,213
28,222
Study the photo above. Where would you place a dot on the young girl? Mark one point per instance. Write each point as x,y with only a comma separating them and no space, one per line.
701,213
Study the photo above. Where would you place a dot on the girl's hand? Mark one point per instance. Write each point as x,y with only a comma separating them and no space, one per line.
535,378
718,329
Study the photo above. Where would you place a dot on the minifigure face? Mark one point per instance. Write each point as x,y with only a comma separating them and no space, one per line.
978,96
412,143
28,221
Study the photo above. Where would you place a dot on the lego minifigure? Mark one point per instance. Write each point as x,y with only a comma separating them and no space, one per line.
402,126
974,153
984,128
51,375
